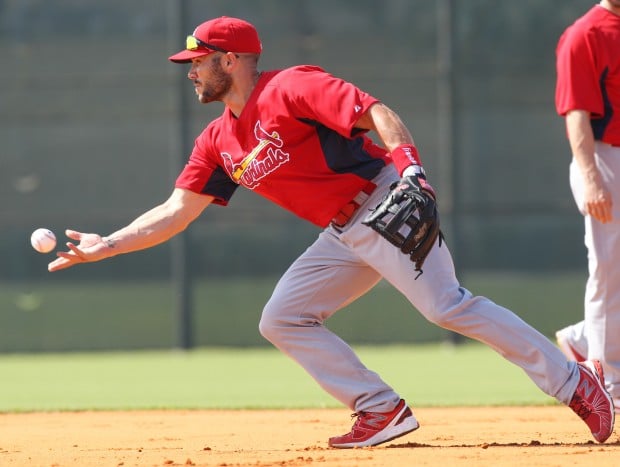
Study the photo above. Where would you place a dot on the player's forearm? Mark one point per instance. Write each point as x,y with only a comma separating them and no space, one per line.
581,141
152,228
159,224
388,125
395,137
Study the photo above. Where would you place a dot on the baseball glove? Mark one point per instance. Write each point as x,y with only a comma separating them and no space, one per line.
408,218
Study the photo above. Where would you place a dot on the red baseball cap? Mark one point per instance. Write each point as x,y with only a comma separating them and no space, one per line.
222,34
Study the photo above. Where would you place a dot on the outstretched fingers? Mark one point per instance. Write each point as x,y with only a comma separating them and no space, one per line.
66,259
76,253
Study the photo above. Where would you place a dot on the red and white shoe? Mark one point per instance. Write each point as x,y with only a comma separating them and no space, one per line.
372,428
592,402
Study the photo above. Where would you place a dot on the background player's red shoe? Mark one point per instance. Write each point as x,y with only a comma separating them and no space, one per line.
592,402
372,428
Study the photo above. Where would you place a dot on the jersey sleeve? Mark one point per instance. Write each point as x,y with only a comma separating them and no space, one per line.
317,95
203,175
577,86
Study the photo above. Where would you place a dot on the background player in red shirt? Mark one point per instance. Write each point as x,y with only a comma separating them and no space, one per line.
297,137
588,95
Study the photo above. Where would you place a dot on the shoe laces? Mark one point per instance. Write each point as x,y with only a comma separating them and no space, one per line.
369,420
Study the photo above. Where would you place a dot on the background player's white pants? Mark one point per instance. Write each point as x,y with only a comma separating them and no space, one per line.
575,334
602,297
341,266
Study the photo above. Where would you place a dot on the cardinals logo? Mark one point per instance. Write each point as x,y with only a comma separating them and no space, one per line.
253,168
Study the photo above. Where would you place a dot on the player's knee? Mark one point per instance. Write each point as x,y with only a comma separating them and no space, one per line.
266,332
270,324
278,325
266,328
450,311
455,316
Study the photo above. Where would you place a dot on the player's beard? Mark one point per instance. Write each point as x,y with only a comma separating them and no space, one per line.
217,87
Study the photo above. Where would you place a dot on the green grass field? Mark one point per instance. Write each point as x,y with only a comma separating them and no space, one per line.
54,338
213,378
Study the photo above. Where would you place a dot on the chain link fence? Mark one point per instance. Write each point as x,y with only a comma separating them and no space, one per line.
95,124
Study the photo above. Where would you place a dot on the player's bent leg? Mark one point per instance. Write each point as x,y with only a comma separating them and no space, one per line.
321,281
439,297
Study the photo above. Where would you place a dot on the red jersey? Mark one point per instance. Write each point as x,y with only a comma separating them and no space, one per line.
588,72
294,143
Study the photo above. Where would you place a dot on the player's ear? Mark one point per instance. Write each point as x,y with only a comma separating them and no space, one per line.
229,59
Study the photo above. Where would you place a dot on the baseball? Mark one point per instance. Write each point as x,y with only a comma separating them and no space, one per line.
43,240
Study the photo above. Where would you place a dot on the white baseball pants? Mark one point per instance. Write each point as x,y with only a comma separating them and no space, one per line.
341,266
602,297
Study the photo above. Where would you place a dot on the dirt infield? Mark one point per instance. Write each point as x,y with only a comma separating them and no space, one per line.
496,436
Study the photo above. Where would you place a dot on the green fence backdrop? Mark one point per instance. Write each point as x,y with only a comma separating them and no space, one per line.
95,124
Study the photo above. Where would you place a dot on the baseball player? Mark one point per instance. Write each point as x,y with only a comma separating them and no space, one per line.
588,96
298,137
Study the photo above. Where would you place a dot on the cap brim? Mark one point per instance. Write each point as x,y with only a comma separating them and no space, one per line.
186,56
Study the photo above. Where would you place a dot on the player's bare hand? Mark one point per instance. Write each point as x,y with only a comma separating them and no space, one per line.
90,247
598,204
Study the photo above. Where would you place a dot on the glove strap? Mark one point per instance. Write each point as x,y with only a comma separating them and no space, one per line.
427,186
417,172
404,156
414,171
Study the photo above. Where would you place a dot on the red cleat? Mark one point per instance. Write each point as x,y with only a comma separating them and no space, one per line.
592,402
372,428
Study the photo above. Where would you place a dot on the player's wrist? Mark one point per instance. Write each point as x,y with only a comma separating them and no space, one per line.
110,246
405,156
109,242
